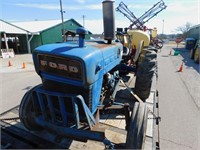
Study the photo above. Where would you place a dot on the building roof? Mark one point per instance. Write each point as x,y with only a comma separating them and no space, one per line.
11,28
31,26
38,26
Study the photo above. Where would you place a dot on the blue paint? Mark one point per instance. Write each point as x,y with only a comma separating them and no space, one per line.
81,32
82,65
63,110
96,55
71,132
51,107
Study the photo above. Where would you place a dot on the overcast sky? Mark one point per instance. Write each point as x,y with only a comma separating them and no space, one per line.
176,14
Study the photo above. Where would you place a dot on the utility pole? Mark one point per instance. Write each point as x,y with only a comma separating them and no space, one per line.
163,26
83,20
63,30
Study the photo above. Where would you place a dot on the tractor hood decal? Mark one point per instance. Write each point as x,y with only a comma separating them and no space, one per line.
60,66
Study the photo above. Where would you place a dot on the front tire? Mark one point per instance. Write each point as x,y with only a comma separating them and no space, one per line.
27,113
138,124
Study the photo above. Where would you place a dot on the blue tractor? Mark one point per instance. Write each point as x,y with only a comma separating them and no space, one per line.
80,78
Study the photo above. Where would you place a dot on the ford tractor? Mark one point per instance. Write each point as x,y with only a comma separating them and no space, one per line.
80,78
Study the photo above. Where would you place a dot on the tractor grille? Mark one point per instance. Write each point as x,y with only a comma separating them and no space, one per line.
60,66
55,102
54,86
57,108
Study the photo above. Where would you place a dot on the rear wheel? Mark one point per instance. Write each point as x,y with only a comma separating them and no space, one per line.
27,113
137,130
146,67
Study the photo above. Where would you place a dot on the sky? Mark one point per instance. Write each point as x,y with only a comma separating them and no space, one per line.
177,13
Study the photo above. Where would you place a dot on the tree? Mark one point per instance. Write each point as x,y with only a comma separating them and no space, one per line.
184,29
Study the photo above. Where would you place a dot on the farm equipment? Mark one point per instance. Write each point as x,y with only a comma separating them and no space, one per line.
81,80
138,23
139,46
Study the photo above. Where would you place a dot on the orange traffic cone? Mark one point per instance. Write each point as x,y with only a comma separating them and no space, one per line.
170,53
181,68
23,65
9,63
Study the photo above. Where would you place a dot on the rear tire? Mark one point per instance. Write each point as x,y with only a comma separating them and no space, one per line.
138,124
26,111
146,67
159,44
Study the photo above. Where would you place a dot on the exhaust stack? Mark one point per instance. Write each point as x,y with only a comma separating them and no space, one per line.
108,20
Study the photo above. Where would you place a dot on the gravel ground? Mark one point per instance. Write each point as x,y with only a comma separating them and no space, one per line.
15,81
17,64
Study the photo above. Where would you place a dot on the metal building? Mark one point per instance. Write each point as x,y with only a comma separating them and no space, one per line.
36,33
50,31
14,38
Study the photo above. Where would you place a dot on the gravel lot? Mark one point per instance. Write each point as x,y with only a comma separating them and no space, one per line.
15,81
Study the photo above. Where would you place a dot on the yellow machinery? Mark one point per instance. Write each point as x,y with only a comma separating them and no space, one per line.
137,36
153,32
139,48
137,52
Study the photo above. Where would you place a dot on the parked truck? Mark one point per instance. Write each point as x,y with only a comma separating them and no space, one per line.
82,82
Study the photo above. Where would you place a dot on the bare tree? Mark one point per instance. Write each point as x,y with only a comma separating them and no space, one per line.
184,29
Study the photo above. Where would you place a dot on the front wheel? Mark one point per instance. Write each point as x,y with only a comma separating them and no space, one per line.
27,112
138,124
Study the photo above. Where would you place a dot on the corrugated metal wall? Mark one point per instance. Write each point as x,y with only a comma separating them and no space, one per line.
35,42
51,35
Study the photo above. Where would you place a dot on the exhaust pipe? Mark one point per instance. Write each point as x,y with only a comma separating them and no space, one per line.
108,20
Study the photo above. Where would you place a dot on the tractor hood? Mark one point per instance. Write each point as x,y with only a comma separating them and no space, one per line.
68,61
